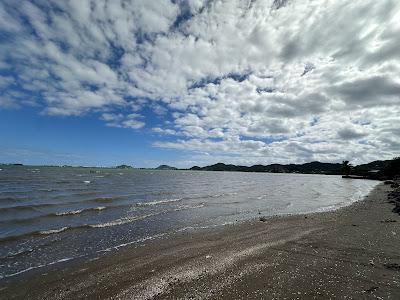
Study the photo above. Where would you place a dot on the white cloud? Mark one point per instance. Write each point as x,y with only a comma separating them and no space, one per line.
164,131
123,121
249,81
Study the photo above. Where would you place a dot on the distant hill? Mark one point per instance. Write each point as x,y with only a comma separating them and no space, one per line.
314,167
166,167
124,167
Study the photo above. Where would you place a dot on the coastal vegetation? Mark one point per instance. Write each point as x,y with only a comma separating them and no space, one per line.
346,167
380,169
392,169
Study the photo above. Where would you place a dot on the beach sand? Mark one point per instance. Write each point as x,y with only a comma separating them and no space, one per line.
351,253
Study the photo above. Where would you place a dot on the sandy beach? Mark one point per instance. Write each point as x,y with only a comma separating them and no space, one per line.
351,253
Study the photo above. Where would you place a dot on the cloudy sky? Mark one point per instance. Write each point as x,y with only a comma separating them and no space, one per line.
190,82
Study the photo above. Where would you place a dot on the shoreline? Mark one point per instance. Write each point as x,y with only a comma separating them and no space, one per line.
351,252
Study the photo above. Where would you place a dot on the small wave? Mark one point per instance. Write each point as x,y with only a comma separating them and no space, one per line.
185,207
17,253
147,238
78,211
52,231
23,208
58,214
185,229
216,195
40,266
36,233
86,181
36,207
33,207
99,208
67,213
158,202
122,221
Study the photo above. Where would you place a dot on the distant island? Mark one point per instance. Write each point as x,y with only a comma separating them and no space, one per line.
166,167
124,167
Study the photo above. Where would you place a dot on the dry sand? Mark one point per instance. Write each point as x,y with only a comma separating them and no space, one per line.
352,253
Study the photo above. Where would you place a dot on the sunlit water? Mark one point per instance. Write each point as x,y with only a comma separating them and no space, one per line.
51,215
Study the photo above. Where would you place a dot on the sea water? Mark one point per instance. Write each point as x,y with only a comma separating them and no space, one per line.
50,214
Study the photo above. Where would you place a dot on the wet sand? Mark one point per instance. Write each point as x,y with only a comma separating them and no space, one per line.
352,253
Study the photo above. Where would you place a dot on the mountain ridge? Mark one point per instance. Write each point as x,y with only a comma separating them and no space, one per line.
314,167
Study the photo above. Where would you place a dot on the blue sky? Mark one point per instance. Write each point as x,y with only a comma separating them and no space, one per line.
198,82
32,138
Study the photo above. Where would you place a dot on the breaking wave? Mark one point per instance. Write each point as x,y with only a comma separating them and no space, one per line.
157,202
122,221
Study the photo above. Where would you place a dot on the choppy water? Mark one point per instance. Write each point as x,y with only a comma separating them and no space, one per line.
51,215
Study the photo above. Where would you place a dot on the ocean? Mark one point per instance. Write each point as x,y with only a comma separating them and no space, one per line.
50,215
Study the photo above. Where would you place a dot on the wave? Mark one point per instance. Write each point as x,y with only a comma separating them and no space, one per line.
39,206
58,214
144,239
117,247
32,207
122,221
17,253
157,202
185,207
68,213
116,222
40,266
52,231
78,211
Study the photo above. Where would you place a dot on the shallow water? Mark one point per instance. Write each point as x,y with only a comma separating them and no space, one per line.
50,215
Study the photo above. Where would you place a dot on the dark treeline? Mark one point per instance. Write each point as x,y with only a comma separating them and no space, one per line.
380,169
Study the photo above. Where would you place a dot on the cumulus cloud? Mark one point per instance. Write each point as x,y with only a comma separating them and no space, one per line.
123,121
249,81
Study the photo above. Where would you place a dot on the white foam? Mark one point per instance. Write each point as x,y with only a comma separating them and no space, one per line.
51,231
151,203
147,238
78,211
184,207
72,212
87,181
40,266
122,221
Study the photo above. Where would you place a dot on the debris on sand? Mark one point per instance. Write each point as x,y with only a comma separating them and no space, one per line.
393,267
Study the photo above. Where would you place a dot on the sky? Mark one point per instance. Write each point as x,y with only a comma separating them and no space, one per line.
196,82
